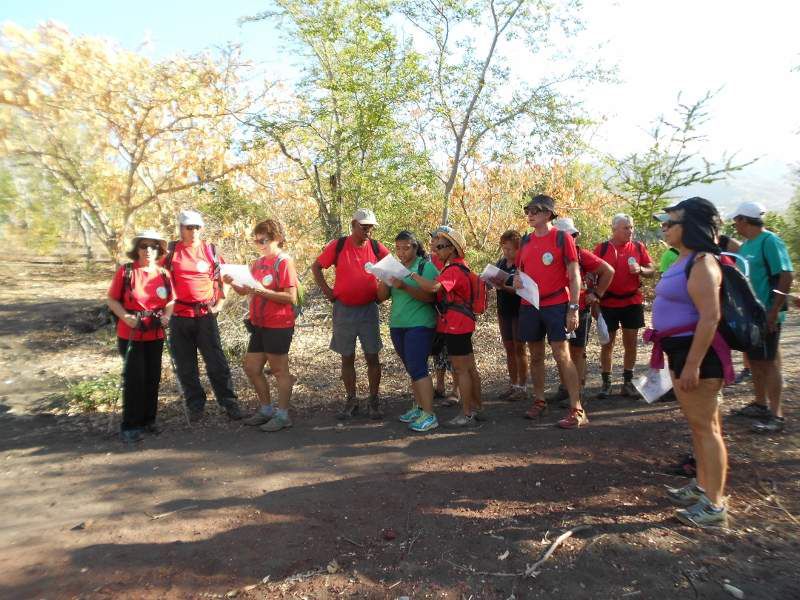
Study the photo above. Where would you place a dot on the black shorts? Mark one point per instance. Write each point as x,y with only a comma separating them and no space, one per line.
630,317
534,323
582,332
270,340
677,349
458,344
509,326
769,350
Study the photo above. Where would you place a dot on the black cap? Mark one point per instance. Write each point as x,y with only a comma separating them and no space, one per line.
697,206
542,200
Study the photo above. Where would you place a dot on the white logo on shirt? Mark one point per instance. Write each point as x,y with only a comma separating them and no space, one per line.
161,292
547,258
202,266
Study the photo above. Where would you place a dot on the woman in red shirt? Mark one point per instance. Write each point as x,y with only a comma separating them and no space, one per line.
452,288
271,324
141,297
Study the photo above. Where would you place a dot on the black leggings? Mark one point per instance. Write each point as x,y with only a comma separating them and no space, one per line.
141,378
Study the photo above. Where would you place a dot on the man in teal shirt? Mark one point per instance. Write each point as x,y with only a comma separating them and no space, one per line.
770,268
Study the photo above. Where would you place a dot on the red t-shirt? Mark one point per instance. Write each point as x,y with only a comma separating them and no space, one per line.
624,283
193,278
456,289
264,313
437,262
544,262
353,285
147,291
589,264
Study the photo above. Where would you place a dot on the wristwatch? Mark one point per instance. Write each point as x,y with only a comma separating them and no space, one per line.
573,307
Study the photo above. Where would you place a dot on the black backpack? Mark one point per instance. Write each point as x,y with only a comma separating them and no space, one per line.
743,319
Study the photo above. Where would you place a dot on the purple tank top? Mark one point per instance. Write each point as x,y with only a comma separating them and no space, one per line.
672,306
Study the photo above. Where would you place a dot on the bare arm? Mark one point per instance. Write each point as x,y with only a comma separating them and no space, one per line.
319,279
115,306
383,291
574,274
606,274
703,287
415,292
282,296
427,285
784,285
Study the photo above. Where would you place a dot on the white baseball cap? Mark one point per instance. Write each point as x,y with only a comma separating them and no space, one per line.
566,224
190,217
364,216
754,210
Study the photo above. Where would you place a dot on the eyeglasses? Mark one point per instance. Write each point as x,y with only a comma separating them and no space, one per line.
443,246
146,246
669,223
192,227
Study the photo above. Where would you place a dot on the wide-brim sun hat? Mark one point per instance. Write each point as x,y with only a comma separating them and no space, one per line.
455,238
149,234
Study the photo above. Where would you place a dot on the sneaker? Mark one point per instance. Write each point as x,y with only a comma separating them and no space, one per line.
233,411
480,415
537,410
277,423
628,390
131,436
411,415
450,400
576,418
375,410
605,390
425,422
350,410
259,418
753,411
742,376
560,394
461,421
687,495
153,429
770,425
701,514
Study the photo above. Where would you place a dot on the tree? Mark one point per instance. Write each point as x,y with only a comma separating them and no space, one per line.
648,181
117,134
339,126
477,108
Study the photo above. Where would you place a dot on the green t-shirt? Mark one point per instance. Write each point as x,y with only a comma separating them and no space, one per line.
407,311
767,258
670,256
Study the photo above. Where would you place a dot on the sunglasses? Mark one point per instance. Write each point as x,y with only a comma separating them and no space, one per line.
669,223
534,210
365,227
146,246
443,246
261,241
192,227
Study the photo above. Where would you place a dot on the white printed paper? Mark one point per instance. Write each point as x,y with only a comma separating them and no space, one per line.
387,268
529,291
494,276
655,384
603,336
241,275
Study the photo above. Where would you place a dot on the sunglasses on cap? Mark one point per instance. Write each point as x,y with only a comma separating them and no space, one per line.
148,246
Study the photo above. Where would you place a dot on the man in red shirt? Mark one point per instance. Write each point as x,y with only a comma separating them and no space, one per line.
199,297
355,311
550,258
623,303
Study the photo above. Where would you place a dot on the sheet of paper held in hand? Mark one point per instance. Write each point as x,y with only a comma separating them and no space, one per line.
494,276
387,268
529,291
241,275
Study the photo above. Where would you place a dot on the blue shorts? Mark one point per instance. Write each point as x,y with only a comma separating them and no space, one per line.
413,345
534,323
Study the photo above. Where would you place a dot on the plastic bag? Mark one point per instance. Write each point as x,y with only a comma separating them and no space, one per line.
655,384
602,331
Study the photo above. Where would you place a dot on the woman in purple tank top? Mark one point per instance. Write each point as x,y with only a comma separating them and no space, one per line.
686,313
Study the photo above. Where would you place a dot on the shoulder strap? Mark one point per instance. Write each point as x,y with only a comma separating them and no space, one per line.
524,240
211,253
560,245
604,248
165,279
339,246
421,266
170,255
640,250
764,256
127,274
375,248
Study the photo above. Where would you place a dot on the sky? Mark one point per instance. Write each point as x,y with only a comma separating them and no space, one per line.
747,50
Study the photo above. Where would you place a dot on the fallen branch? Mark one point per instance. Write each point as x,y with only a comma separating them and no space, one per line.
772,495
355,543
172,512
472,571
533,570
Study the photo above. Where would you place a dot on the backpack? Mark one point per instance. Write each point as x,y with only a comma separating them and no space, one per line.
211,254
298,306
127,275
340,245
476,305
743,320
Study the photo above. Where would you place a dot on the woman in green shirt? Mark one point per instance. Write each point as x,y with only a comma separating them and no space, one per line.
412,325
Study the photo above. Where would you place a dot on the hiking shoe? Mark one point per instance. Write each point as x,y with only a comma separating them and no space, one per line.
576,418
153,429
702,514
628,390
770,425
560,394
350,410
411,415
277,423
753,411
234,412
605,390
375,411
537,410
257,419
131,436
742,376
461,421
425,422
687,495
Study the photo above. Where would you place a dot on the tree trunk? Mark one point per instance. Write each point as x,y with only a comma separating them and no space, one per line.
85,224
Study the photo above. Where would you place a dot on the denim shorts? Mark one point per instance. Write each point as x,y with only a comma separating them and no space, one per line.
535,323
413,345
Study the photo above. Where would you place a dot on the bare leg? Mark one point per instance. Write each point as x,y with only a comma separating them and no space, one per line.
254,369
537,368
607,352
461,373
629,339
349,375
279,364
373,373
423,393
522,363
568,372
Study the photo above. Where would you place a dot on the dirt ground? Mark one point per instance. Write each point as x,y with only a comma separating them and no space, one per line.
368,510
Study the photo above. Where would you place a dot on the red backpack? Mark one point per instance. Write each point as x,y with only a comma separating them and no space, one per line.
476,304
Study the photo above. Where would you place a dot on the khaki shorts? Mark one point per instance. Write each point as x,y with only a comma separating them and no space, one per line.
355,322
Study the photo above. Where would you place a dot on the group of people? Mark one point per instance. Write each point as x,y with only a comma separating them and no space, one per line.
178,286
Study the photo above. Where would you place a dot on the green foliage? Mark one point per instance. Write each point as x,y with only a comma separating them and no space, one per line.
791,233
91,394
